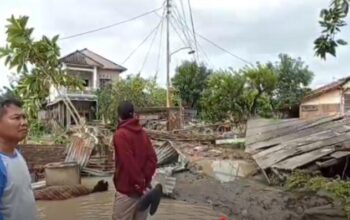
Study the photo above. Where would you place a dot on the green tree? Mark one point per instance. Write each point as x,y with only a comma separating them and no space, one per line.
37,63
190,81
224,97
331,20
141,92
293,79
238,96
261,82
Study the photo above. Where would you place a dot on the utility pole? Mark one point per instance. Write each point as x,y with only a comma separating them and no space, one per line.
168,54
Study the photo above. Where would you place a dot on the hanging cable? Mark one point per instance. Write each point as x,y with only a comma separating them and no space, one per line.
215,44
223,49
111,25
193,28
160,48
185,31
143,41
151,45
177,32
183,9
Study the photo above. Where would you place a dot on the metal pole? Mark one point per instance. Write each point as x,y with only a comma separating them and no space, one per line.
168,54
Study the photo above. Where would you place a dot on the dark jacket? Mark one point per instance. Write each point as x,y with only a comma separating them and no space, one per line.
135,158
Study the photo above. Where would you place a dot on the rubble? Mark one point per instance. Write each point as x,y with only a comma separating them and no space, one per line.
281,146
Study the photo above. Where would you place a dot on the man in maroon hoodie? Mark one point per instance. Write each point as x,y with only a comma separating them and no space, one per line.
135,165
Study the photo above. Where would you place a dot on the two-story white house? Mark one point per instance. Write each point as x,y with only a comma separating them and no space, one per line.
96,72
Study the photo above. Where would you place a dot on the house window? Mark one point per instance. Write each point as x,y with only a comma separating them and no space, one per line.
86,83
105,82
309,108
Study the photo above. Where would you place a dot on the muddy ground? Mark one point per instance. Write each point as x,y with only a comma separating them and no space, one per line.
249,199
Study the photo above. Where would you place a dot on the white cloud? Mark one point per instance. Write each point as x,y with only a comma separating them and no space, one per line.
257,30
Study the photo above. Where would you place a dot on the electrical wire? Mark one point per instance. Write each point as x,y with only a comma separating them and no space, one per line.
111,25
192,24
178,34
144,40
181,24
224,50
183,8
215,44
151,45
160,49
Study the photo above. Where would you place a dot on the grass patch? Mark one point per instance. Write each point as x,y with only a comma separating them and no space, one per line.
338,190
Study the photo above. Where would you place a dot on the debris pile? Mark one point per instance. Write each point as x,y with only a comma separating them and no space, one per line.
315,145
170,161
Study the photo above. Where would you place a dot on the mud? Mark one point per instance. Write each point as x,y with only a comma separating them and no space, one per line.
247,199
98,206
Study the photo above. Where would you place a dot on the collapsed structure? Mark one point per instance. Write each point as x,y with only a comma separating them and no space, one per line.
315,145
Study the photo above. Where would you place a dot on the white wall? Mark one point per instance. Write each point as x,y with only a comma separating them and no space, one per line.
107,74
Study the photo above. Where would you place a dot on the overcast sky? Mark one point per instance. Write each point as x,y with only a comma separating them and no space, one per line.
256,30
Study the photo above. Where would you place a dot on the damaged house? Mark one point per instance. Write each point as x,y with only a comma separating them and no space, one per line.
96,72
318,141
331,99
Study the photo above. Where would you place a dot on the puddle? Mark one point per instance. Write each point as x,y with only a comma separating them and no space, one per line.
98,206
227,170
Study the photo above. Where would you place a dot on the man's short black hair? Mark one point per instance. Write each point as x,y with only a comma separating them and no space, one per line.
8,102
126,110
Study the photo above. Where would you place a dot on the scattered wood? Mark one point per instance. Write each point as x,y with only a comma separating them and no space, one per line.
286,145
327,163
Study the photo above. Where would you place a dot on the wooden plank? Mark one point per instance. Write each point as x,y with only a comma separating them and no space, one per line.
303,159
263,122
291,129
317,136
292,150
254,127
340,154
254,148
295,143
327,163
265,133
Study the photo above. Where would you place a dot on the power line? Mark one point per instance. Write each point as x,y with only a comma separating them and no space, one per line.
215,44
182,23
178,34
160,48
183,8
151,45
144,40
223,49
192,23
111,25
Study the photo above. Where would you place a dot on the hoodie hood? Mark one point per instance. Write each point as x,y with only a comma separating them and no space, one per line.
131,125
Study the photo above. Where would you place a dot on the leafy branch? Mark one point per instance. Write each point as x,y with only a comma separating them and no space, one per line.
38,65
332,20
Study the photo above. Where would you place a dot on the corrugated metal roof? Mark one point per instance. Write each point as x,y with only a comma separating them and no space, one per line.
86,57
79,150
107,64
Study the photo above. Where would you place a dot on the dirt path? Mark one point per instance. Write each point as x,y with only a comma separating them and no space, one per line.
247,199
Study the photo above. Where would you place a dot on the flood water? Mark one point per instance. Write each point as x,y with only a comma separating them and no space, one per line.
99,206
